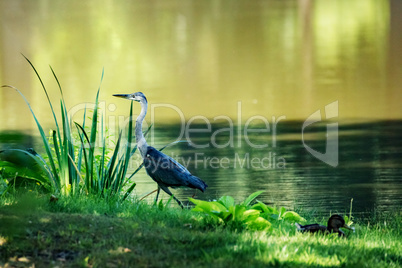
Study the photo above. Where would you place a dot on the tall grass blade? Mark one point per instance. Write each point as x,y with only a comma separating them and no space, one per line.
79,159
44,139
56,146
123,170
83,135
78,172
44,89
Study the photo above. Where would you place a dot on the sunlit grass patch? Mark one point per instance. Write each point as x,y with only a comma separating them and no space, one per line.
85,231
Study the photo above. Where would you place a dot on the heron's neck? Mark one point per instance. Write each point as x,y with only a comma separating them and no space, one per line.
139,136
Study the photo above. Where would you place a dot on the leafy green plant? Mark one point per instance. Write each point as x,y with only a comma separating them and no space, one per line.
244,215
24,166
13,174
226,212
5,184
80,169
281,214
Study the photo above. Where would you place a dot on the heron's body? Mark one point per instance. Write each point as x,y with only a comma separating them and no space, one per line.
167,172
164,170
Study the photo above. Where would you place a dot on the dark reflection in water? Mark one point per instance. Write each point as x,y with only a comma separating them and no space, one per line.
369,169
15,140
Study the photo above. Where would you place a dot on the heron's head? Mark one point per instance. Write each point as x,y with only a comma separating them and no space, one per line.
137,96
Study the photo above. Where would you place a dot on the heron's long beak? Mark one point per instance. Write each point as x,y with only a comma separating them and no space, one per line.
124,96
348,227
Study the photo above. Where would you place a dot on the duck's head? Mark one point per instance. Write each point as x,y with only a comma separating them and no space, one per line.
335,222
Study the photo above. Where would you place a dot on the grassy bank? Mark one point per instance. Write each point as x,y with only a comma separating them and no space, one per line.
88,232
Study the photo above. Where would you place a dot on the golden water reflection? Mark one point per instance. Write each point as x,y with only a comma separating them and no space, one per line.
287,58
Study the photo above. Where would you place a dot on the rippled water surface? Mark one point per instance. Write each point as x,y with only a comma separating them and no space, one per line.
369,169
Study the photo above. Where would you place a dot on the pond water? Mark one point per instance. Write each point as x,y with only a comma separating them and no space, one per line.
272,66
369,168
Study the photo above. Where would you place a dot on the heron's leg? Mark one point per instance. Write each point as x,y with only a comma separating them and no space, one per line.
157,194
170,193
195,192
148,194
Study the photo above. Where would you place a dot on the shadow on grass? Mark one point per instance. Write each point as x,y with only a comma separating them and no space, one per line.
33,231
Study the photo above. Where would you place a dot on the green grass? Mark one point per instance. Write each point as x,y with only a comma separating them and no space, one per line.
70,169
93,232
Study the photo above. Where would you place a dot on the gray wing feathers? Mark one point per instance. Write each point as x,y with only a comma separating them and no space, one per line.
168,172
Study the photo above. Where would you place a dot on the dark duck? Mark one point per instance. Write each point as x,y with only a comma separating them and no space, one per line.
334,223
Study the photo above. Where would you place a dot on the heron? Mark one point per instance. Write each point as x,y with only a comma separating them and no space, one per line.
164,170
